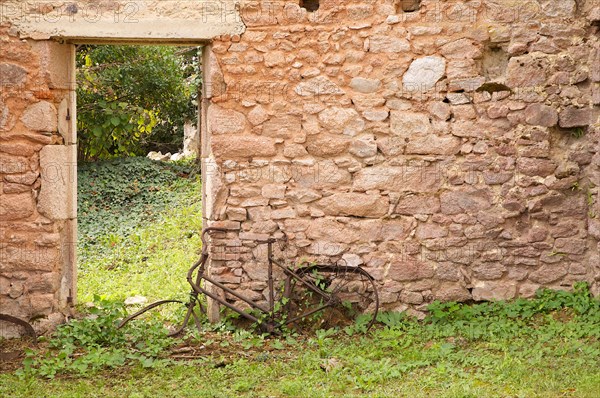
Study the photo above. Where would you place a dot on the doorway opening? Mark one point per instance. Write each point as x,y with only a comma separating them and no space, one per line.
139,189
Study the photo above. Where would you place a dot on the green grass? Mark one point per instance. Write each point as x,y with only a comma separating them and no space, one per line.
550,358
546,347
139,229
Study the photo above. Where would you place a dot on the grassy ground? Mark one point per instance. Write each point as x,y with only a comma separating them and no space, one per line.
549,357
139,226
139,234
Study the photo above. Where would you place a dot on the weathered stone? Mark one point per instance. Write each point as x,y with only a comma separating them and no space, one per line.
236,213
467,201
409,270
418,204
341,120
562,9
294,150
15,188
461,49
13,164
424,73
304,195
548,273
452,292
489,271
387,44
284,126
411,297
418,178
408,124
41,116
364,146
257,115
525,71
11,76
352,260
434,145
318,87
374,115
441,110
331,230
16,206
535,167
541,115
58,175
364,85
487,291
284,213
327,145
354,204
225,121
575,117
448,272
431,231
570,246
242,146
273,191
6,119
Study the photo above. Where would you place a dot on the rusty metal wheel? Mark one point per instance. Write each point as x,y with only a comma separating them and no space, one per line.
349,295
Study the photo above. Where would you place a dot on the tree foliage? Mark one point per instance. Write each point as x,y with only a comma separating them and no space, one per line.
132,98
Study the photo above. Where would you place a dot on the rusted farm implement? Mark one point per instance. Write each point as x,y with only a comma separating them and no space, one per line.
336,294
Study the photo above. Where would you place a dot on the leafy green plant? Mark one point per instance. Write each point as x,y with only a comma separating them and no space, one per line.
131,98
94,343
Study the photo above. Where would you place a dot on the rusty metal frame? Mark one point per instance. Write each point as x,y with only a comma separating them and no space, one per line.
269,324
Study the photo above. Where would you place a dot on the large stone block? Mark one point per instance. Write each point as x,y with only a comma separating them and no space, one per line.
418,204
354,204
245,146
41,116
57,199
325,145
424,73
388,44
536,167
408,124
465,200
331,230
409,178
541,115
10,164
434,145
365,85
575,117
11,76
548,273
526,71
409,270
341,120
284,126
486,291
16,206
225,121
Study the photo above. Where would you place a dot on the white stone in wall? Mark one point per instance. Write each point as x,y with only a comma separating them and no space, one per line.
41,116
59,179
424,73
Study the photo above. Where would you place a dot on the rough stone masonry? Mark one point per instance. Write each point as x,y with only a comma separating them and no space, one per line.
451,148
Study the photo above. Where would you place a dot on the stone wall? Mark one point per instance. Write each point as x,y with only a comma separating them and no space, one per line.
37,167
452,151
450,147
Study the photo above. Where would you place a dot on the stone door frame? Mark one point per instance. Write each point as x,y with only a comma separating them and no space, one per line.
70,232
